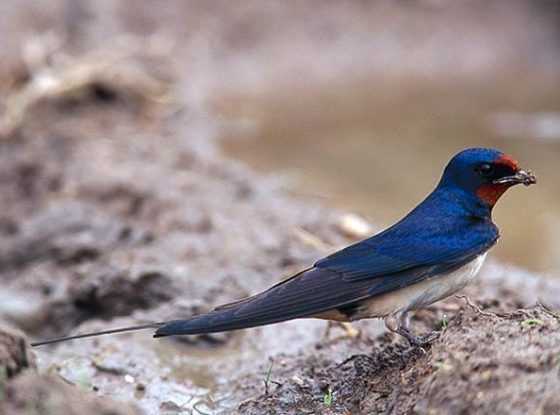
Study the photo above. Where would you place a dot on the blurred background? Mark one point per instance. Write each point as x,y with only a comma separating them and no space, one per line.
357,104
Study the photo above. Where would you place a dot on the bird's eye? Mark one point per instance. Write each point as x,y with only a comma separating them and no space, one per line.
485,169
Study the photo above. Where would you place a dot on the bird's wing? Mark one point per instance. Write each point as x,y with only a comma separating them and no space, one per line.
388,254
311,292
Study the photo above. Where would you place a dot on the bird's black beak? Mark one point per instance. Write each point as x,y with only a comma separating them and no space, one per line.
525,177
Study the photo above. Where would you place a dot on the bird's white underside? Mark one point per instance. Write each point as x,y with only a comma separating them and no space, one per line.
421,294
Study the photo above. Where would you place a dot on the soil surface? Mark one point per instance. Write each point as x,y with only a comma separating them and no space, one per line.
118,210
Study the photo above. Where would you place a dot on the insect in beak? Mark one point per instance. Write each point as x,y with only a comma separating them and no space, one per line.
525,177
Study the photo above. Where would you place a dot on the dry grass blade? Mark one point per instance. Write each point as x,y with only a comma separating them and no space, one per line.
309,239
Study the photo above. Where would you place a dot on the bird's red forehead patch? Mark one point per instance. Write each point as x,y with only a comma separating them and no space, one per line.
508,161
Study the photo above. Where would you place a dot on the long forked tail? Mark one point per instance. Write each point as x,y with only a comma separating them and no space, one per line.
307,294
98,333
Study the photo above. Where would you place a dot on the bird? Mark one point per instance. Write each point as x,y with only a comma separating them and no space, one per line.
430,254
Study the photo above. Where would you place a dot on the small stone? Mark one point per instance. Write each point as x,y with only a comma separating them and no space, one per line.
354,226
297,380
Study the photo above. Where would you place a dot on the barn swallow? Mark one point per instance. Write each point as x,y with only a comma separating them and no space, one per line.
430,254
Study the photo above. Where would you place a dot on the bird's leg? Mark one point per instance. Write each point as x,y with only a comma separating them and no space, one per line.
328,329
400,325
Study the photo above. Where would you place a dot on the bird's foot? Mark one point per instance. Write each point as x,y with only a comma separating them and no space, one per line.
418,341
350,332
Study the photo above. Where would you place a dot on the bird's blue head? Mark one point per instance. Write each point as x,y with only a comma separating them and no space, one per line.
485,173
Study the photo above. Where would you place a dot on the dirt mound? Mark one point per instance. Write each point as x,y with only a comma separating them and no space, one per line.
482,363
23,390
15,355
42,394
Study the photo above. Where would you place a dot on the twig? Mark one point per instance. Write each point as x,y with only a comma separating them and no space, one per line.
198,410
352,358
548,310
475,307
517,313
108,369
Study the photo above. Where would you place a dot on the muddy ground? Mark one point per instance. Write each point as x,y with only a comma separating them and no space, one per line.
117,208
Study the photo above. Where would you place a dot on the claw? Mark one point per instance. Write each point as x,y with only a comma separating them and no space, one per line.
400,326
418,341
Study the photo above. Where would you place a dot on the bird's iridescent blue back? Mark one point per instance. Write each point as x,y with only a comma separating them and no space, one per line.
448,229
